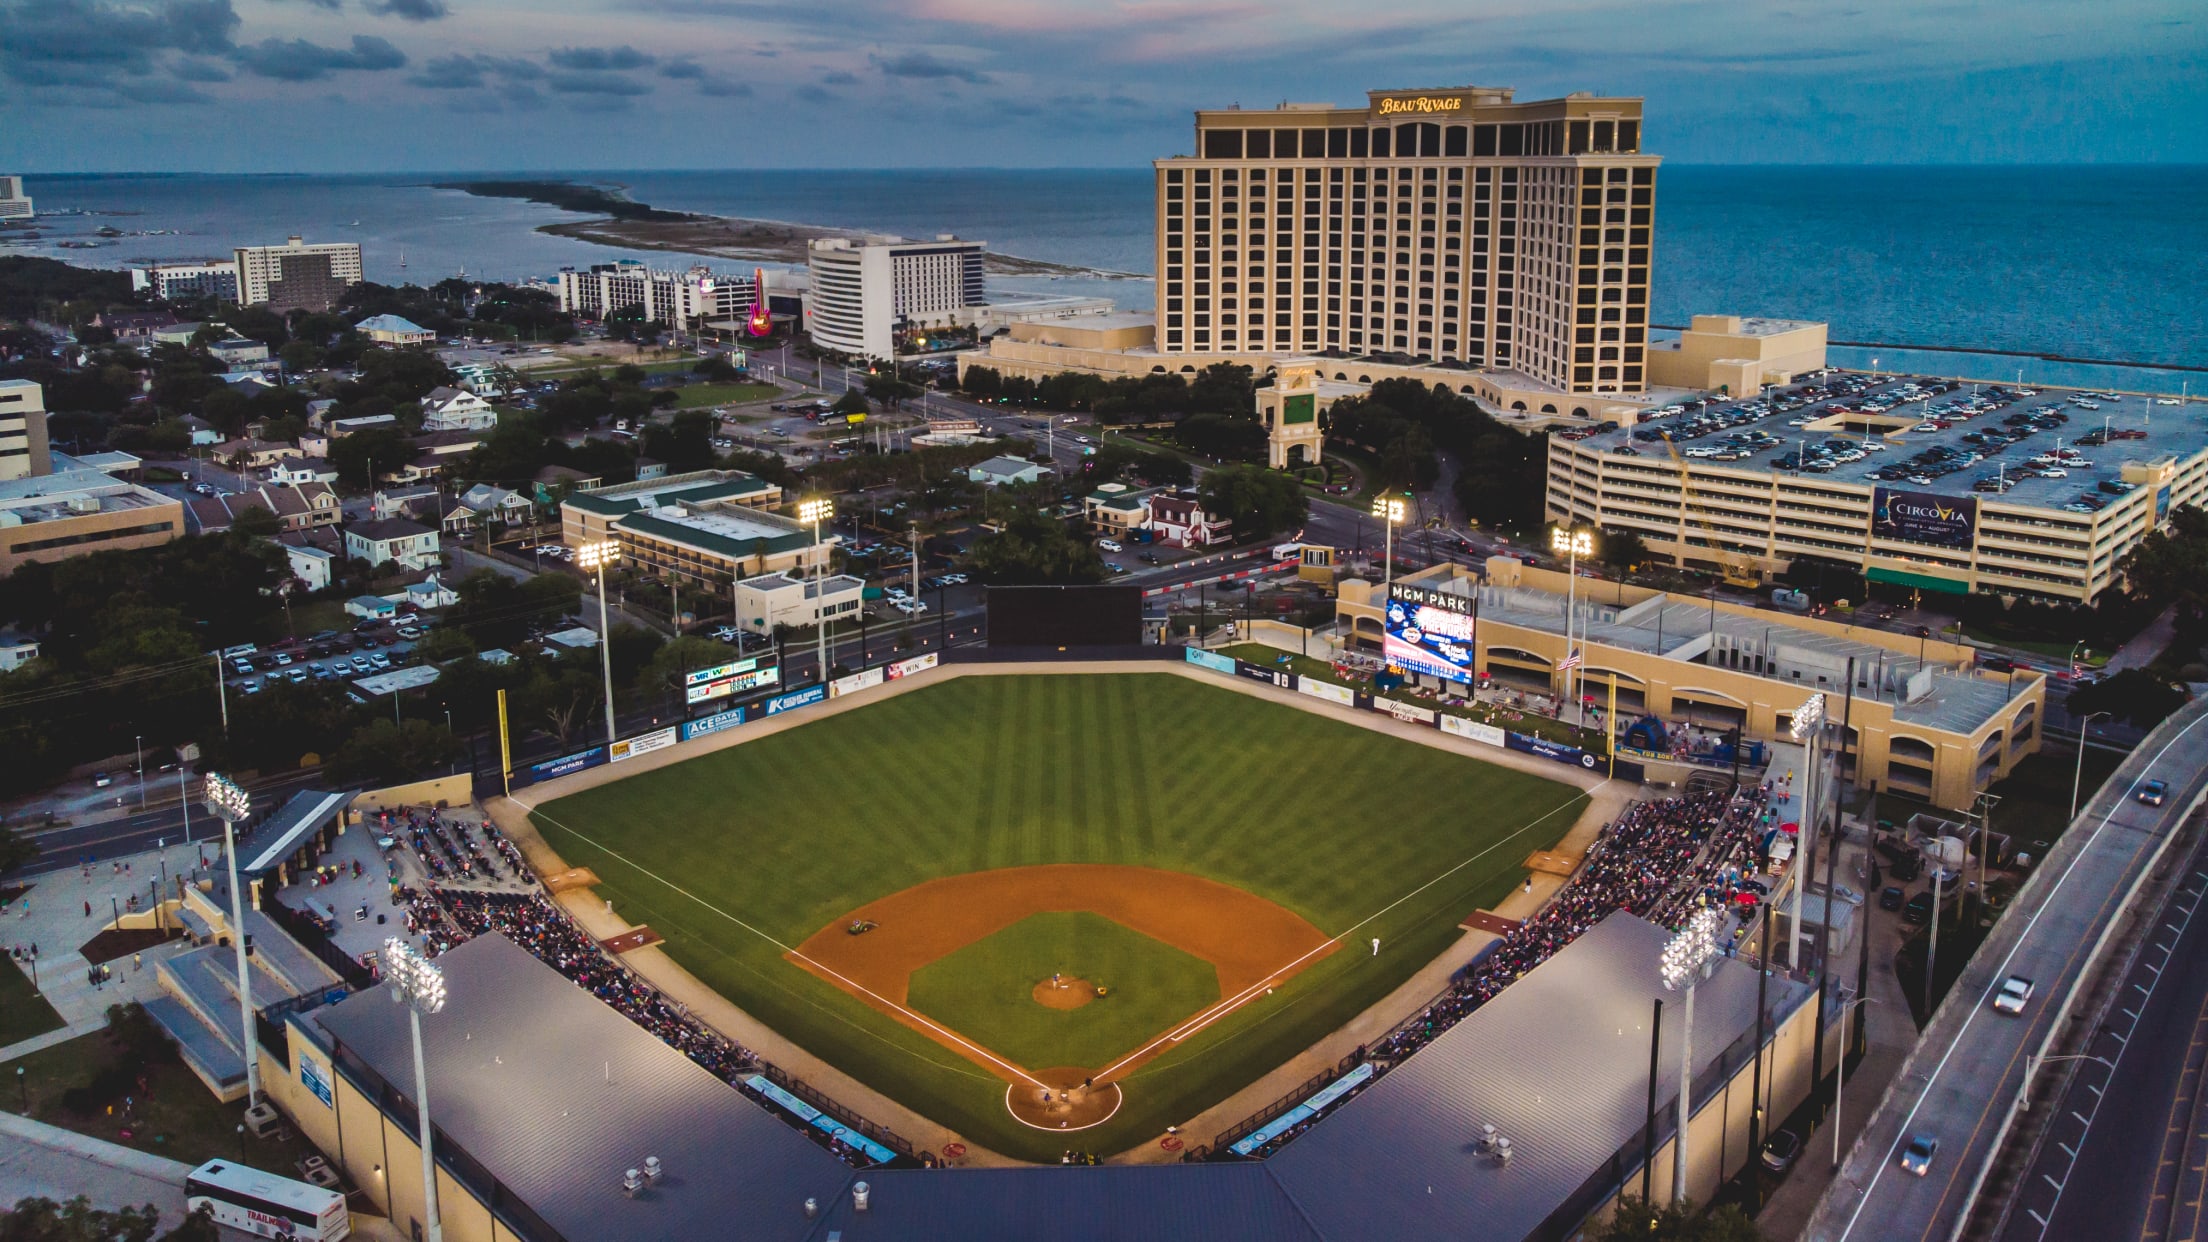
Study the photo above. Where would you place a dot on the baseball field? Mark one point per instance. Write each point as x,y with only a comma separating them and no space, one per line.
1052,910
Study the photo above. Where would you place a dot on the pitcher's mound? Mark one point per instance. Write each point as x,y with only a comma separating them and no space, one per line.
1063,993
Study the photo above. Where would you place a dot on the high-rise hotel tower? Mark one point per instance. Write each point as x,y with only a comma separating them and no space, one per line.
1449,225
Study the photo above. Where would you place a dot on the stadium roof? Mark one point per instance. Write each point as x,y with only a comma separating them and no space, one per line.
274,839
1559,1062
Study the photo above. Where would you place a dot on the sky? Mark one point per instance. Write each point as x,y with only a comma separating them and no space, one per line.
408,85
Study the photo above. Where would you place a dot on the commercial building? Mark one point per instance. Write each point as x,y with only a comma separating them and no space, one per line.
684,300
1732,354
1922,718
14,203
865,291
395,330
78,508
2018,503
589,510
1004,471
767,601
297,276
708,529
24,450
167,281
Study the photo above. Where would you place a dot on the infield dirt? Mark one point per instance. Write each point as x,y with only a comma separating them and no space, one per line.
1253,943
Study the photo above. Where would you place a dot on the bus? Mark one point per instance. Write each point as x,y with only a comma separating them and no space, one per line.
266,1205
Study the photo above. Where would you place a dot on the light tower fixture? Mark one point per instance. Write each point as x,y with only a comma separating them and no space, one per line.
1391,511
1686,960
1571,545
1808,726
418,983
816,511
230,803
594,557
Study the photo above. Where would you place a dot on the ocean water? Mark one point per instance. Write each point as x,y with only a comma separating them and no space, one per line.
2072,261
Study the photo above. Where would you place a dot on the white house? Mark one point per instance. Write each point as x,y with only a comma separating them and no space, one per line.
310,565
485,500
372,607
392,540
769,600
301,473
1180,521
999,471
16,651
457,409
429,593
395,330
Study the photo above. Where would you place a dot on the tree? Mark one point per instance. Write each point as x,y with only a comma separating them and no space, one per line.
1621,549
15,850
1637,1220
851,402
1034,550
685,442
1260,502
2139,695
43,1220
359,456
2170,568
387,752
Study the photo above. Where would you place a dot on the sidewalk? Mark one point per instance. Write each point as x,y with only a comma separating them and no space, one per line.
52,916
2146,645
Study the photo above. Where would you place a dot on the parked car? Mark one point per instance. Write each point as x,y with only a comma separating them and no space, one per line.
2153,792
1781,1151
101,780
1919,909
727,634
1111,545
2015,993
1891,897
1916,1158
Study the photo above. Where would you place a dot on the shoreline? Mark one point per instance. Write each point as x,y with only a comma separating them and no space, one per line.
620,221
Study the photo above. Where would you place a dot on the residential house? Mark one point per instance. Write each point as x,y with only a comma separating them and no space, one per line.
438,452
395,330
135,327
312,566
318,411
457,409
1179,519
246,454
649,468
301,472
16,651
427,592
236,351
175,333
485,503
202,432
1115,509
393,502
309,505
315,444
1001,471
372,607
398,541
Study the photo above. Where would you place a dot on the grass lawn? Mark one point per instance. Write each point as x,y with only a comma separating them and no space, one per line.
97,1085
985,990
2052,650
2035,796
23,1012
1360,833
1323,671
695,396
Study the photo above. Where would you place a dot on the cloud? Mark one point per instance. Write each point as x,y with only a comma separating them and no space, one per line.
682,69
596,84
811,93
297,60
460,73
192,69
410,10
923,65
89,32
840,78
156,91
724,88
598,59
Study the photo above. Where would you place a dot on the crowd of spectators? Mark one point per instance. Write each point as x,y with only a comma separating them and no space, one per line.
1661,860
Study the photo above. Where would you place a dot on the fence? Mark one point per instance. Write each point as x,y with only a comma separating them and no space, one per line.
821,1100
314,940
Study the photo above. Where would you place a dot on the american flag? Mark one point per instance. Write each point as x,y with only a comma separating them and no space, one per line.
1570,662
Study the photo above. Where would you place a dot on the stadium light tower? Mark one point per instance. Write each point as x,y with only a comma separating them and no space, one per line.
1571,544
418,984
1686,962
1808,728
230,803
1390,510
595,557
816,512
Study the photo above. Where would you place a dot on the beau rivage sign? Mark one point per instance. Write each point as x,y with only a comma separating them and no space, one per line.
1407,105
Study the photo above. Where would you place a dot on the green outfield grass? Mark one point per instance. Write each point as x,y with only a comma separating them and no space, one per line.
985,991
735,856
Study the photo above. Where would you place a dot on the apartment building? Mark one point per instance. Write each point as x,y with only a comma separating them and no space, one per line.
14,203
685,300
209,279
865,291
24,451
296,275
1453,225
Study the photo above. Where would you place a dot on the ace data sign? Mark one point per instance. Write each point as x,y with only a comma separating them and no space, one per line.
1925,517
1430,632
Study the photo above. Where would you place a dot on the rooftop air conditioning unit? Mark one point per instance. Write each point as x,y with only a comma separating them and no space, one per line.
84,504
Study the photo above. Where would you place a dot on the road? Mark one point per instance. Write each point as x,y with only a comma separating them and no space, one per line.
1966,1071
60,848
2125,1139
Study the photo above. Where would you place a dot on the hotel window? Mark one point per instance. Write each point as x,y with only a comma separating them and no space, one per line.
1381,140
1222,144
1260,144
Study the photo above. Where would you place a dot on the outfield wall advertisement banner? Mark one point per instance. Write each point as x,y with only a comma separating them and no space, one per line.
1332,694
567,764
917,664
1473,729
1205,659
724,680
1271,676
1925,517
795,699
643,744
719,722
1430,632
864,680
1408,712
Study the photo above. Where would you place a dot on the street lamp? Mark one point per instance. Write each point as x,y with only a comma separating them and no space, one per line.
2077,778
1809,722
816,512
231,804
1571,544
418,984
595,557
1390,511
138,753
1686,962
2032,1065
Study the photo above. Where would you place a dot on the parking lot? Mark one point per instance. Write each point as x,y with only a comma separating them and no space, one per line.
330,656
2061,449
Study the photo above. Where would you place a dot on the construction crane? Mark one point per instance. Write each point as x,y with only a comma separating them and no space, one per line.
1733,567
